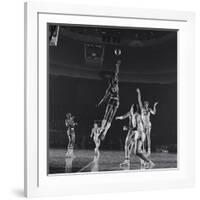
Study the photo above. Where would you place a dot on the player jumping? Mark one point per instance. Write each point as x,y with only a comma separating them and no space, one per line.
70,124
145,114
112,93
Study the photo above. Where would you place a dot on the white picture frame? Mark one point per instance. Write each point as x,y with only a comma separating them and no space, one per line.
37,182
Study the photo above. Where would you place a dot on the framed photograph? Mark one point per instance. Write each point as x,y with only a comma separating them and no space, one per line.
109,99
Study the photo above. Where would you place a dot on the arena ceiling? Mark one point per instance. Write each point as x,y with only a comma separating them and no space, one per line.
146,55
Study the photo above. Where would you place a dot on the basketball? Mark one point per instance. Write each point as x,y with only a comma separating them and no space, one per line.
117,52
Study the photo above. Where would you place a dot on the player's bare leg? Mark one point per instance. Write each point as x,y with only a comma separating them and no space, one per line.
104,121
97,145
95,164
112,111
142,163
139,138
129,143
105,118
126,162
140,154
70,152
68,164
70,147
107,127
148,135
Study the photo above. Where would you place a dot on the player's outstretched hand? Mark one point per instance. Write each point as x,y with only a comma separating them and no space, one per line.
138,90
156,103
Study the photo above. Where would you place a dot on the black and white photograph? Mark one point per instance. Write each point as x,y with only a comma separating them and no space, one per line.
112,99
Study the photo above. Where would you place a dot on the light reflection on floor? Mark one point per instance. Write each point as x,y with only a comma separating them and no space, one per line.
87,161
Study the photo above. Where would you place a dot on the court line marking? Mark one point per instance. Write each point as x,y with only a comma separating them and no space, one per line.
90,163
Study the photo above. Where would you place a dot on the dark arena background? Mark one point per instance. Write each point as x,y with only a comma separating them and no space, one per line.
81,61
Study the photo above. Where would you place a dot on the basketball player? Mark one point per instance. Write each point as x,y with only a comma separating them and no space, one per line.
131,133
134,138
95,135
145,114
70,124
112,93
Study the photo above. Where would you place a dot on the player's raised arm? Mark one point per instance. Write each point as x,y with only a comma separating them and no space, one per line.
139,98
154,109
123,116
116,78
92,133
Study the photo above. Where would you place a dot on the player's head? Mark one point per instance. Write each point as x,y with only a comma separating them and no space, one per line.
146,104
68,115
113,82
95,124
